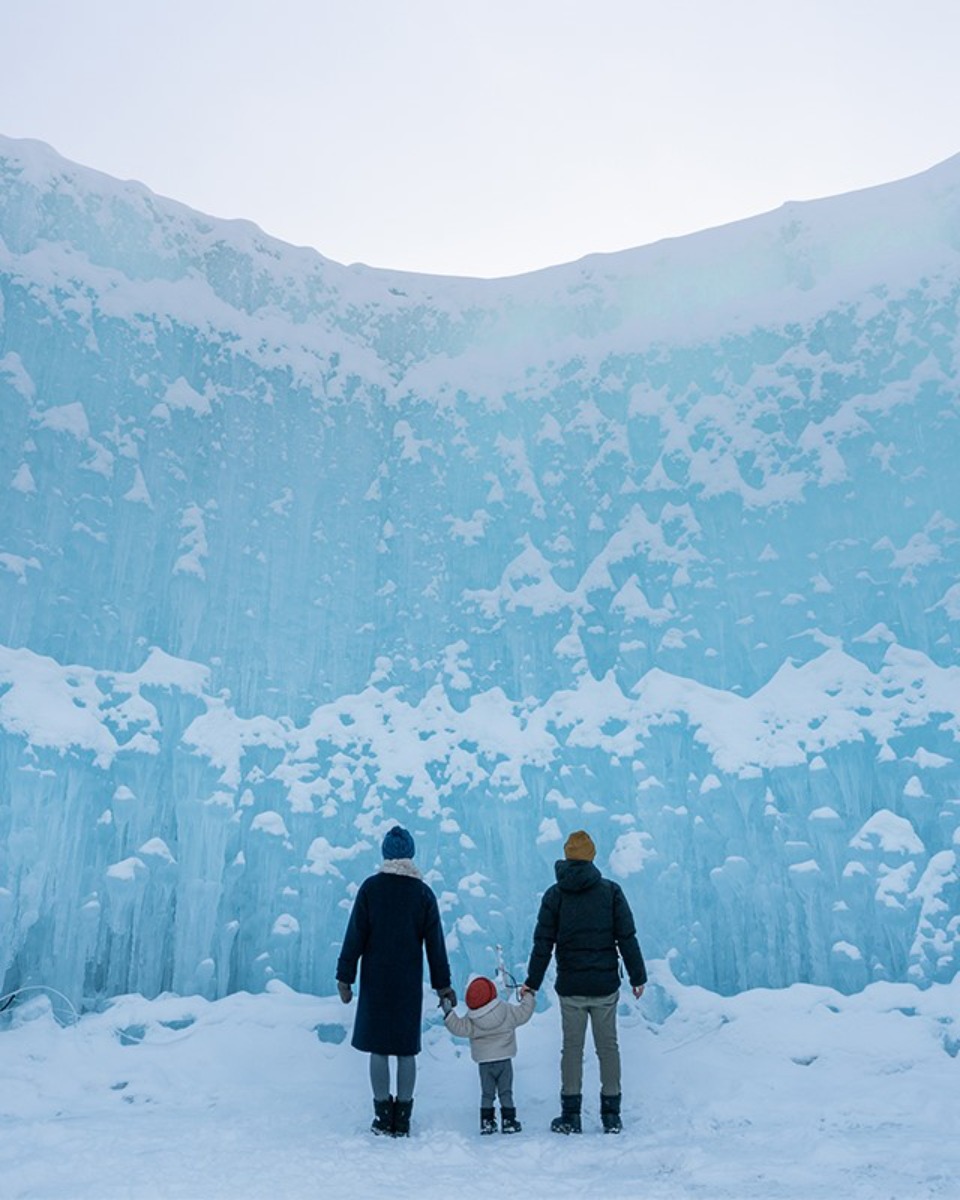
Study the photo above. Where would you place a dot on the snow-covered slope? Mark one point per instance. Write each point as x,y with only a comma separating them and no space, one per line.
661,543
789,1095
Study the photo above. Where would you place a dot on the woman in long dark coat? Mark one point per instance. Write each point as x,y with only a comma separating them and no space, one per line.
395,917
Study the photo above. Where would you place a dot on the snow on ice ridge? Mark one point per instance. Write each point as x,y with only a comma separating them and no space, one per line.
759,838
592,521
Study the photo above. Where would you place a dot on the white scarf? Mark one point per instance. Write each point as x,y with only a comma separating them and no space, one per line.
400,866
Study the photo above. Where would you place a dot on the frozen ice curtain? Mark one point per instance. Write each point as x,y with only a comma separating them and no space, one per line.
662,544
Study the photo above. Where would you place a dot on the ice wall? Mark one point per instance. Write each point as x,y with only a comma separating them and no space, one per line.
663,544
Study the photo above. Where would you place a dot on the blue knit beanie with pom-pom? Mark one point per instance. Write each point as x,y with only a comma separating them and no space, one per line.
398,843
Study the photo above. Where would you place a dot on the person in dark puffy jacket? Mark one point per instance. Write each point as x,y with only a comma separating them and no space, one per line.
491,1027
395,917
587,921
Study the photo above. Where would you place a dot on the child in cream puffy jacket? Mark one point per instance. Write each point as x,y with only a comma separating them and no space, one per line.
491,1027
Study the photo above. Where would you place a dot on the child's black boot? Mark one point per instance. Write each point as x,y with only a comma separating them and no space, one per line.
508,1121
488,1120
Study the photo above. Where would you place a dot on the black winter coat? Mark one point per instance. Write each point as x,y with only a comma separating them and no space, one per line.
588,920
394,917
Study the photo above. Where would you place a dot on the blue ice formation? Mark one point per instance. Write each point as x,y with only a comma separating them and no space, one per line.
663,544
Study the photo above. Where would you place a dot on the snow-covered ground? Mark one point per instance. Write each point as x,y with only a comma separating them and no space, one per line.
798,1093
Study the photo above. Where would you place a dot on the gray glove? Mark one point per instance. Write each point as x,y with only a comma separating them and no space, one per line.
345,990
448,999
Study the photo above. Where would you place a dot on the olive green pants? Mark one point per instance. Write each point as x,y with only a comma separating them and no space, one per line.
602,1014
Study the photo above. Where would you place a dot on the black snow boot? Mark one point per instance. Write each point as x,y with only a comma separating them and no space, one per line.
610,1114
508,1121
488,1120
401,1118
383,1121
569,1119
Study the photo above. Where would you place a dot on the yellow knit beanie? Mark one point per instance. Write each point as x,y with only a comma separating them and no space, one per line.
579,846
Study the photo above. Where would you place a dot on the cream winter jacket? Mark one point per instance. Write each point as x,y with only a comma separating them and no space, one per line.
492,1028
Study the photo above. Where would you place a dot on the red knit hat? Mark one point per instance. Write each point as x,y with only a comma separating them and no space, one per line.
480,992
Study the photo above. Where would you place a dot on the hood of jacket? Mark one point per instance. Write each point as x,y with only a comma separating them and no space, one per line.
576,875
490,1015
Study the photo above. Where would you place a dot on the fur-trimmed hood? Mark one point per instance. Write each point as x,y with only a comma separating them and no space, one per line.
492,1028
488,1009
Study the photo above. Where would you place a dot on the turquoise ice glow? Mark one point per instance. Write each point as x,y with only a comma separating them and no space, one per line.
663,544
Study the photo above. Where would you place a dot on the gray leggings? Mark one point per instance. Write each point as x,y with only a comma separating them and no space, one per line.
496,1077
380,1076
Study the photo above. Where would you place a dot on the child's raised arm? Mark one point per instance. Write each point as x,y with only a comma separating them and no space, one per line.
458,1026
523,1011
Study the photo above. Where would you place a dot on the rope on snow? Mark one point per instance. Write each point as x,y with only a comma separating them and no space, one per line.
8,999
127,1034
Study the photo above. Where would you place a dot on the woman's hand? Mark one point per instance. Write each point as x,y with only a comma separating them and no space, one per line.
345,990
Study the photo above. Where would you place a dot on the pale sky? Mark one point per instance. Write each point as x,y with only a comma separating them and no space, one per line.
486,137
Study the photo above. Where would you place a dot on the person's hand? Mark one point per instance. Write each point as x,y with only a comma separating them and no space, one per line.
638,991
448,997
527,991
345,990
